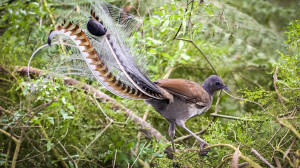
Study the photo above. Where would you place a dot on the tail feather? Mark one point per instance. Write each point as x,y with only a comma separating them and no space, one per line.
95,64
126,65
104,49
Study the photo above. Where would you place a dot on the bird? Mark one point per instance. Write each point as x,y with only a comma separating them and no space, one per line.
103,46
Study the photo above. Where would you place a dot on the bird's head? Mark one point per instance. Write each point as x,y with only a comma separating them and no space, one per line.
214,83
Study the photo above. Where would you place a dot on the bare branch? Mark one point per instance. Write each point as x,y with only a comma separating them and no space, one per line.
235,159
271,138
115,158
101,97
253,151
244,100
289,148
86,148
251,162
138,155
288,125
75,164
231,117
191,41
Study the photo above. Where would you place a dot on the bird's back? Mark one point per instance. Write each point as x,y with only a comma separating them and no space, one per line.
189,99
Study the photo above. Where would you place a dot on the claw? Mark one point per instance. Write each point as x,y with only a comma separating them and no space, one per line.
203,151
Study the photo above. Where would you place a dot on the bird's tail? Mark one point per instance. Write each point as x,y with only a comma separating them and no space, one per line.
100,34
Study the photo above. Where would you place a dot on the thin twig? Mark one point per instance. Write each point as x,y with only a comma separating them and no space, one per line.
9,135
176,34
289,148
253,151
115,158
271,138
140,133
94,140
53,148
188,136
191,41
75,164
39,109
138,155
245,100
218,101
243,164
232,117
224,160
143,163
288,125
98,105
251,162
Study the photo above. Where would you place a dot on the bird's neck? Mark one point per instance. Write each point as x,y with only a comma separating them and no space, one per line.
208,89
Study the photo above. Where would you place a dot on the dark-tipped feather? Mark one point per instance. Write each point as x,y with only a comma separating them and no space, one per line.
50,38
95,28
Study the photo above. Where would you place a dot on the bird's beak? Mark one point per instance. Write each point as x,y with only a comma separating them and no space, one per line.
226,88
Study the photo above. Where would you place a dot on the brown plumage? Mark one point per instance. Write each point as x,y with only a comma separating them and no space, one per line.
189,99
188,90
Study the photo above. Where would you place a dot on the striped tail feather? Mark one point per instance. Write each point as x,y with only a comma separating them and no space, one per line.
122,57
102,42
95,64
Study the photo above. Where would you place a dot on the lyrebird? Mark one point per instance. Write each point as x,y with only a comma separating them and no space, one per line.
100,35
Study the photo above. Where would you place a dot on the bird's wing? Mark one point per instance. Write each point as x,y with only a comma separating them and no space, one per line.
187,90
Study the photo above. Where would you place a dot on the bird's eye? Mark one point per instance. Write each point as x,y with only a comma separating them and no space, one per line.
217,83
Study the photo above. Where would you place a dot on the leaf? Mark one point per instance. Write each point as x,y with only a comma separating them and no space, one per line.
181,43
71,107
49,145
129,145
63,99
165,25
54,104
209,11
154,41
50,119
34,4
65,115
185,56
166,55
71,164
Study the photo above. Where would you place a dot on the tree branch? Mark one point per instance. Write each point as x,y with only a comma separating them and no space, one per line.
253,151
251,162
101,97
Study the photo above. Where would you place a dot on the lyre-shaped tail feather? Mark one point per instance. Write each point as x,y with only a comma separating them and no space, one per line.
95,64
119,51
108,56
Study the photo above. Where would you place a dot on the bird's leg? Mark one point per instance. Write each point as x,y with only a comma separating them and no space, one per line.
202,142
172,134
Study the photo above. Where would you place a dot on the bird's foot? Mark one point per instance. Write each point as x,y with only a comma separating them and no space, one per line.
204,151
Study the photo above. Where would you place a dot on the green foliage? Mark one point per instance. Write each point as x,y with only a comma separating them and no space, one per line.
24,25
244,40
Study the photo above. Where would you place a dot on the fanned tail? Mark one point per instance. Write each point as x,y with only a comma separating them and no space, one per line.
95,64
109,58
